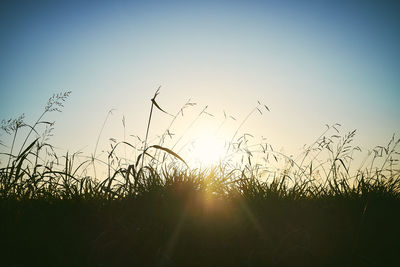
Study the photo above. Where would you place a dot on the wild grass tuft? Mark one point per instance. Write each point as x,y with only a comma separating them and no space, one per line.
258,207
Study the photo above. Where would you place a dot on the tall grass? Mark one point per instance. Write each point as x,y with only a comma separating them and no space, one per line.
37,171
310,210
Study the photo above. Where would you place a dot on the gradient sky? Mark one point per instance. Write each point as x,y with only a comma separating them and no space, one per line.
312,62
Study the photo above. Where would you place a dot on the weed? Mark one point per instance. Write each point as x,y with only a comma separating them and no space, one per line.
156,210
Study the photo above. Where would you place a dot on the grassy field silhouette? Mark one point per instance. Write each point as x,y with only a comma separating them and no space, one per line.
155,211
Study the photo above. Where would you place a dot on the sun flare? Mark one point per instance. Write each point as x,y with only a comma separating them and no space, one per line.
207,150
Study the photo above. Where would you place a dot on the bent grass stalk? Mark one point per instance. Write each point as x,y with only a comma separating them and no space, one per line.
36,177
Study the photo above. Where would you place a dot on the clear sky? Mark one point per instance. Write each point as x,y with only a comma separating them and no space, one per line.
312,62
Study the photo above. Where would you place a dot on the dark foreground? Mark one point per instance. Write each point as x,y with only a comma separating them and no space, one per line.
184,227
156,215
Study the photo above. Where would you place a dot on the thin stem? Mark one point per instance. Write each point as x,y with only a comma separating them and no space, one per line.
12,146
189,127
147,131
30,132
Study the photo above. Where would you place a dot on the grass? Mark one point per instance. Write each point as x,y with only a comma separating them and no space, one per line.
155,211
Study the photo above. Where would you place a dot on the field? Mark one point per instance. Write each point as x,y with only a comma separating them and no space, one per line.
154,211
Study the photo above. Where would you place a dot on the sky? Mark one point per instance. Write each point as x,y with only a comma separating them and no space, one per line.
311,62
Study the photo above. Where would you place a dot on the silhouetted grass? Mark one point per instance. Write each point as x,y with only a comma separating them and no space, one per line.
154,211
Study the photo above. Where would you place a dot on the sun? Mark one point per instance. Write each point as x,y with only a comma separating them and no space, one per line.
207,150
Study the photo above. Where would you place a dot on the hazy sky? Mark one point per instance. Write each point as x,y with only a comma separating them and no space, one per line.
312,62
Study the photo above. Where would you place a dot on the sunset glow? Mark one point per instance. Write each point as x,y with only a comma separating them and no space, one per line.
207,150
199,133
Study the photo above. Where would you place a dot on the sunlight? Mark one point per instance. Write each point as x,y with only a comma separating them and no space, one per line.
207,150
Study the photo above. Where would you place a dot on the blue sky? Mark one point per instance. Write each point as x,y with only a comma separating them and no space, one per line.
312,62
